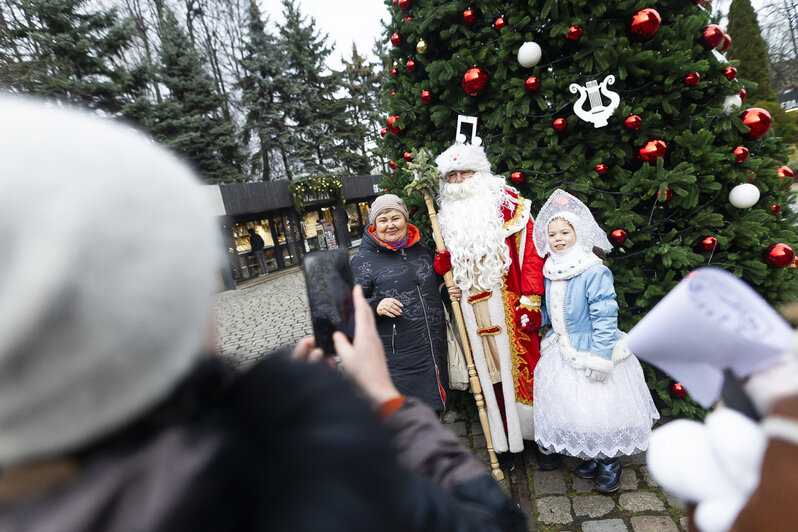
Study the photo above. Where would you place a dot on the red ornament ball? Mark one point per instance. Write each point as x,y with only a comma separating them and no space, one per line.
664,195
709,243
411,66
559,124
426,96
499,24
517,177
678,389
775,208
474,81
653,150
404,5
730,73
691,80
396,39
785,171
413,210
392,127
394,71
779,255
758,121
633,122
726,42
408,156
601,168
383,131
645,24
392,164
407,19
469,16
741,152
532,83
574,32
712,36
618,236
743,94
393,93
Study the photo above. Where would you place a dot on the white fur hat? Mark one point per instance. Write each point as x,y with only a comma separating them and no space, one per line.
109,255
462,157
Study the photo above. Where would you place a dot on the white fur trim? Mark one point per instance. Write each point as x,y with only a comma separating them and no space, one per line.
571,267
781,428
462,157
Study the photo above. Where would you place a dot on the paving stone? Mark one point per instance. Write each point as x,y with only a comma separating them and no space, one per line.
641,501
605,525
480,441
593,505
476,428
653,523
673,500
548,482
628,480
553,510
683,523
449,417
459,428
635,459
464,441
648,477
583,485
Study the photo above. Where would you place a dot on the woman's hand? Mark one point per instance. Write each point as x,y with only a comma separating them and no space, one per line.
389,307
364,359
455,293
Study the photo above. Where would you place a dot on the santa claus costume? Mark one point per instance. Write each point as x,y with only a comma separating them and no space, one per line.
488,228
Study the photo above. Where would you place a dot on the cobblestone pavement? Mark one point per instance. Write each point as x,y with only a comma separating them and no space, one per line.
271,312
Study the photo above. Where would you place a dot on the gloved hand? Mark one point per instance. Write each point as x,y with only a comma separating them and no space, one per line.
528,314
596,375
442,262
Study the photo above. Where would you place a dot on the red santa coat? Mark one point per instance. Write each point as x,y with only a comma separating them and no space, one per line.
509,404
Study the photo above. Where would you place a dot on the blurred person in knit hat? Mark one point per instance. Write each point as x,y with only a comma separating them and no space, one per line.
113,414
487,226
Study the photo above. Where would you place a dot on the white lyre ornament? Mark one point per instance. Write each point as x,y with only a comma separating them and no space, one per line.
598,113
460,137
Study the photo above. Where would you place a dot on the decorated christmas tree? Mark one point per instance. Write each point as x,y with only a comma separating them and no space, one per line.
631,106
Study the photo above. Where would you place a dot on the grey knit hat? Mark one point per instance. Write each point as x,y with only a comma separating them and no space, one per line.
105,304
387,202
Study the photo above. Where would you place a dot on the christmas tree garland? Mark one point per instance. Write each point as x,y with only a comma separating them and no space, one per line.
315,188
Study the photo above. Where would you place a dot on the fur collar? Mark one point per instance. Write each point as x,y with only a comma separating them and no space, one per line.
570,267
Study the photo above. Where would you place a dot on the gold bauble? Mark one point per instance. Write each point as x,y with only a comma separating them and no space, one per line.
421,47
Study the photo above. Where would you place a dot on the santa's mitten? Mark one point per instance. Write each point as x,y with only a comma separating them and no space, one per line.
528,313
442,262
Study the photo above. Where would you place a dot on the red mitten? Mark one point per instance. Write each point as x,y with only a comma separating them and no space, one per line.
442,262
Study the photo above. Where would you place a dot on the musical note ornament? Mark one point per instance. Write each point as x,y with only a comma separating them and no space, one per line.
460,137
598,113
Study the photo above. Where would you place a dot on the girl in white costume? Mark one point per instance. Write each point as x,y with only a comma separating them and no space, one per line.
591,400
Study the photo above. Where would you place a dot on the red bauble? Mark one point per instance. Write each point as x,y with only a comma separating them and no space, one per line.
426,96
712,36
407,19
741,152
393,93
411,66
726,42
601,168
678,389
730,73
517,177
775,208
559,124
653,150
499,24
645,24
396,39
469,16
394,71
532,83
383,131
404,5
574,32
413,210
474,81
392,164
709,243
391,125
743,94
691,80
408,156
779,255
758,121
664,195
633,122
785,171
618,236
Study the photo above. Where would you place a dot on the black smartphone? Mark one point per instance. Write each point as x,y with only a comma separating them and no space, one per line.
329,281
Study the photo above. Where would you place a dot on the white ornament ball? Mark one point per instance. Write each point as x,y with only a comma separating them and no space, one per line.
529,54
744,196
731,102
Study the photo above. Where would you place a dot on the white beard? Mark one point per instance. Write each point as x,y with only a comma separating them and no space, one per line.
473,227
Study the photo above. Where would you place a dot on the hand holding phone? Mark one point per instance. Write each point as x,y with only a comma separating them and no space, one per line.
329,281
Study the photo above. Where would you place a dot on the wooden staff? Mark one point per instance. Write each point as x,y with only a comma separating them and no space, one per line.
476,387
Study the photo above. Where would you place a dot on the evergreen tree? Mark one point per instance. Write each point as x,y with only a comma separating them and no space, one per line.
189,118
66,50
661,214
750,49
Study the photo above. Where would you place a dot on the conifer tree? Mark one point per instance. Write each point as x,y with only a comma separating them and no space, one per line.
189,120
750,49
657,176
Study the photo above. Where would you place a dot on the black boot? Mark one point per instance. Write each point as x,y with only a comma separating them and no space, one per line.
547,461
608,477
587,469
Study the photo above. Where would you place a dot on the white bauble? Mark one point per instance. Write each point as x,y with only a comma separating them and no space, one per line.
744,196
529,54
732,101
